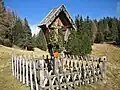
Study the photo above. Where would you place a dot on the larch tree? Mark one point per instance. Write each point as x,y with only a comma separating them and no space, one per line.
94,31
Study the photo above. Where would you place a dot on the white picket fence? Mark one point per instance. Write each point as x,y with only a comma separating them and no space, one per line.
71,72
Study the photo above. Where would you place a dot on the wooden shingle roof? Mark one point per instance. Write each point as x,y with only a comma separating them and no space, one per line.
53,14
48,16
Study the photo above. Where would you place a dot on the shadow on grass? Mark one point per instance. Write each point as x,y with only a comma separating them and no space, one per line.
116,44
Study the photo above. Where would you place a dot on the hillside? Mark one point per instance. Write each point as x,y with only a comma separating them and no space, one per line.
113,67
7,82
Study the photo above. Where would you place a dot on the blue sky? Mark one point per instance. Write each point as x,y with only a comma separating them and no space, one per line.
36,10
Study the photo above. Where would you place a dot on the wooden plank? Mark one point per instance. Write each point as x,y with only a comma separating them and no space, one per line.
13,72
17,68
20,69
59,83
68,88
23,67
50,82
104,68
36,84
42,75
27,78
73,81
31,81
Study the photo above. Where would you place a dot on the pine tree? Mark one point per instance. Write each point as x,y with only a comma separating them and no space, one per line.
87,28
17,32
70,44
11,20
27,40
118,26
100,35
4,26
41,41
13,30
114,30
34,40
107,33
79,42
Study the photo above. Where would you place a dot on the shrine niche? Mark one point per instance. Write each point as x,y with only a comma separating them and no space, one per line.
57,25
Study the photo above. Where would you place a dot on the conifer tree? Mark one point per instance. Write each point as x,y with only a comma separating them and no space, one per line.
79,42
118,26
17,33
41,41
27,40
100,35
4,26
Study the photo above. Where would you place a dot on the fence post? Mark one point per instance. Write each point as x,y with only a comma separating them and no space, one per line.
58,77
41,73
104,68
23,71
27,79
36,84
54,65
20,69
17,68
66,81
13,65
73,79
31,81
49,79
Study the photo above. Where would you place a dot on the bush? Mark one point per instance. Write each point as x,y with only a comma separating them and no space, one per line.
29,47
42,47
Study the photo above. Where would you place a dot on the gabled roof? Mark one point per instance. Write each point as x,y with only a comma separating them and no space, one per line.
55,12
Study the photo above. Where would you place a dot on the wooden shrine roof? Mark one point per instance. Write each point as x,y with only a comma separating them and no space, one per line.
53,14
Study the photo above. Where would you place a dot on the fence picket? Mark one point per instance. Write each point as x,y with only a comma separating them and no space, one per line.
36,84
104,59
23,66
13,61
27,79
20,69
15,66
31,81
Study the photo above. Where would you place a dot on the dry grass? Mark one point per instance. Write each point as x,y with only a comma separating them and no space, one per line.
113,67
7,82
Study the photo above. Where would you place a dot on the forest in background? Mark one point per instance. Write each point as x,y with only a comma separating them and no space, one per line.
15,31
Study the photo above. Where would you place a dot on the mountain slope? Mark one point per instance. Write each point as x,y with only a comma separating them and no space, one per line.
113,67
7,81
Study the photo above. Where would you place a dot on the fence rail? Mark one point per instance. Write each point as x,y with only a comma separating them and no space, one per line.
70,72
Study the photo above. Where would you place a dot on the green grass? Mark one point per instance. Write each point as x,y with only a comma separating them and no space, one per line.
7,81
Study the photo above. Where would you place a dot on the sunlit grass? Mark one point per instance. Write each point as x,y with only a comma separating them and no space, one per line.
113,67
7,81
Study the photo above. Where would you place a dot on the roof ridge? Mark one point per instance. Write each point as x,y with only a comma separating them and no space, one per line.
46,15
50,15
55,11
